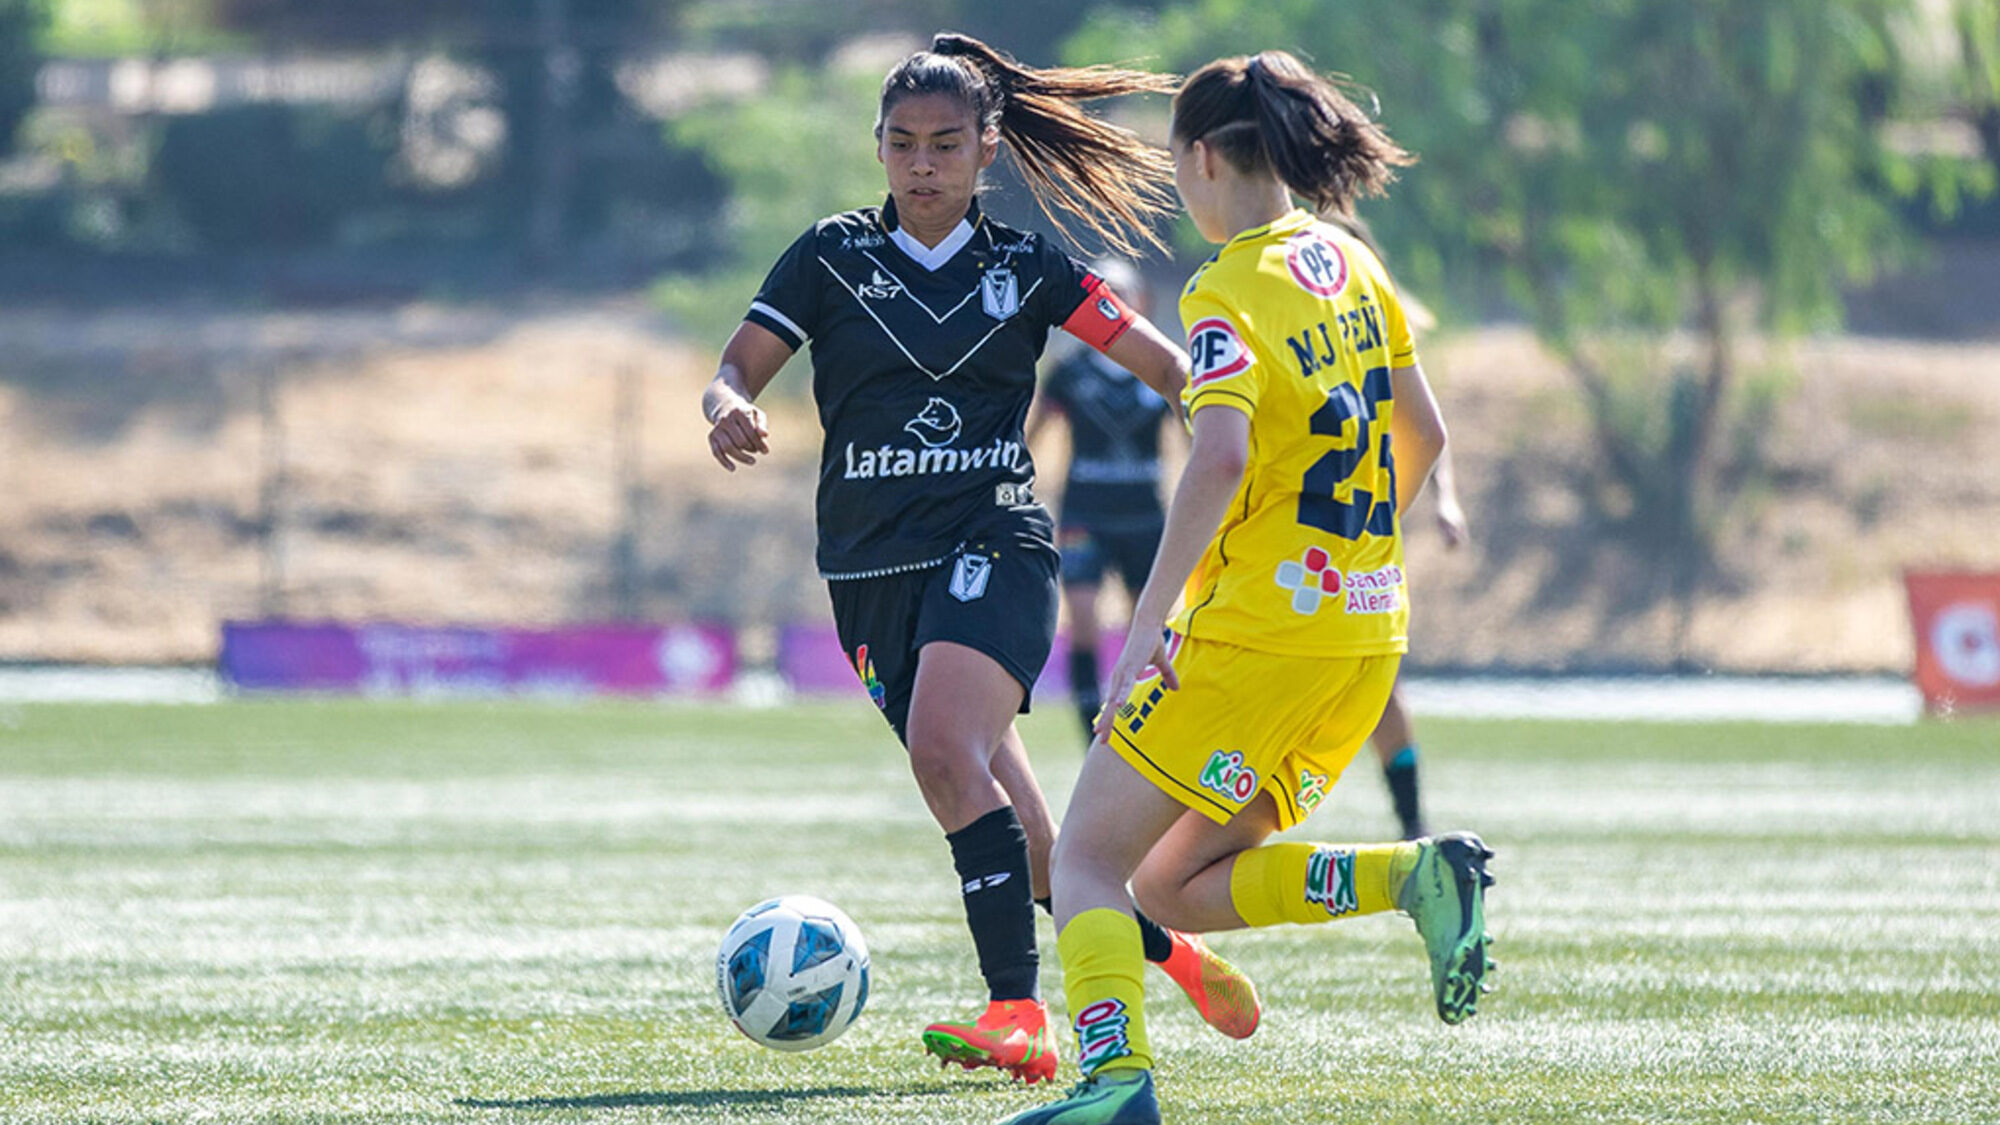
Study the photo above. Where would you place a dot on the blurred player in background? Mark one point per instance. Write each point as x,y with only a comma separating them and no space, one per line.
1111,513
1313,427
1395,737
926,319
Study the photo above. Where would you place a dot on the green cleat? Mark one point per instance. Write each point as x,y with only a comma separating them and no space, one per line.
1445,893
1114,1097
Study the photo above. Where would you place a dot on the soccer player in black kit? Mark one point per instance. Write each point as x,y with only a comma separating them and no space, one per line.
1111,513
926,318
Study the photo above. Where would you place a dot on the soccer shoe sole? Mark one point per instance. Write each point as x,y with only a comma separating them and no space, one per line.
950,1048
1099,1103
1446,896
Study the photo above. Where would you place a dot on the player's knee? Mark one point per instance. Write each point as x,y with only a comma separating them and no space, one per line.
1159,894
944,765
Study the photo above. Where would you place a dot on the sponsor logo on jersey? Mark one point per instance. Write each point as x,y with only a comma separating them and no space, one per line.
1330,880
969,577
999,293
1310,580
1226,774
862,242
1215,351
865,668
1316,264
936,427
1312,790
1375,591
1101,1034
880,287
936,424
1023,246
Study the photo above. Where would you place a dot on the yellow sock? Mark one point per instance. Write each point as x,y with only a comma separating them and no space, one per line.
1307,883
1104,974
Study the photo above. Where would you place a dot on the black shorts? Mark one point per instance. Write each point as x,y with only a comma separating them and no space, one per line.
998,597
1126,545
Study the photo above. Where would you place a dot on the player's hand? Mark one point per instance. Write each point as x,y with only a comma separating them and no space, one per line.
738,434
1145,653
1452,525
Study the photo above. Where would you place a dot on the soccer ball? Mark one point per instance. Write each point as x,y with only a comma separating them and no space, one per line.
793,972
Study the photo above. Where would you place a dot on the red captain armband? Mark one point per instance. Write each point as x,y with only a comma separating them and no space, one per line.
1102,317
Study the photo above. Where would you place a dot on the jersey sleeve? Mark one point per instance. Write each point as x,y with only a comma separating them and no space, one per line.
1401,342
1081,303
1222,368
788,303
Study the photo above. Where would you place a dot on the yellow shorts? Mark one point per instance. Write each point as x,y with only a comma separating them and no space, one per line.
1245,721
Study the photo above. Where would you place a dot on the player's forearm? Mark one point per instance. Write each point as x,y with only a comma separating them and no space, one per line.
725,391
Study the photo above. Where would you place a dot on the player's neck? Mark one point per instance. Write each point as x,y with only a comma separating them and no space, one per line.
1248,202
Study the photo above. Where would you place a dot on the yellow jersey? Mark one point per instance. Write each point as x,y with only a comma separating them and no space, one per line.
1297,325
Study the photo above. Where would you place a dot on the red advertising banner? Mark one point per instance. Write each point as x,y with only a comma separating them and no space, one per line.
1957,621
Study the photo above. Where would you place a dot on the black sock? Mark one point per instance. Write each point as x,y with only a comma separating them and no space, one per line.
1401,773
991,855
1152,935
1083,687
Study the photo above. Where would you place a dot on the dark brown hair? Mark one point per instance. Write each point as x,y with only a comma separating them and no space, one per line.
1269,112
1099,173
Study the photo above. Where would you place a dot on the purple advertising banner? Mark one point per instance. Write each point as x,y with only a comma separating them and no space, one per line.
391,659
811,662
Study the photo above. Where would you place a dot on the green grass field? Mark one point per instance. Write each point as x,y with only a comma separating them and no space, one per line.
495,913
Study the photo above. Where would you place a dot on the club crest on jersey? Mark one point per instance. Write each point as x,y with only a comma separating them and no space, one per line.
936,424
969,577
880,287
1000,293
1215,351
1316,264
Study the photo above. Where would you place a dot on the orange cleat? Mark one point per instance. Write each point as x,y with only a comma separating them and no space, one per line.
1012,1035
1221,992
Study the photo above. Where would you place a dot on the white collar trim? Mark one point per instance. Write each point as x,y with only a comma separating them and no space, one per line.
931,257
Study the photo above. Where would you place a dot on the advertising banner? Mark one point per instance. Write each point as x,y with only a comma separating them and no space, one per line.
1957,621
392,659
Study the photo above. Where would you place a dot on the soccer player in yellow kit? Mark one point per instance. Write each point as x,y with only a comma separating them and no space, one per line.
1313,428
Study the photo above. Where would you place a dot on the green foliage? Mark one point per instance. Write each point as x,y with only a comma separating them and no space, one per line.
1620,169
269,175
21,24
800,150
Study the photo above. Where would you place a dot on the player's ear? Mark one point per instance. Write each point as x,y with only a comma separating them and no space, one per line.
989,147
1205,158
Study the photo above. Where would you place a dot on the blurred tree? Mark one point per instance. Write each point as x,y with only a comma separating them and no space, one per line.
266,175
21,24
755,145
1978,26
568,124
1628,173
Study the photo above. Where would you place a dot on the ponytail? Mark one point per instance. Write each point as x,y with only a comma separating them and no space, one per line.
1074,163
1269,113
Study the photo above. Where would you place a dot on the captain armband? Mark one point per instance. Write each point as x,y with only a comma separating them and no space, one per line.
1102,317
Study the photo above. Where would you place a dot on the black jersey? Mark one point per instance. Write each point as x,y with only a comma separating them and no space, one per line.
923,369
1114,439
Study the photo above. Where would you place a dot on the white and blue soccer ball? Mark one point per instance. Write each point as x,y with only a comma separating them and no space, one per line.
793,972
